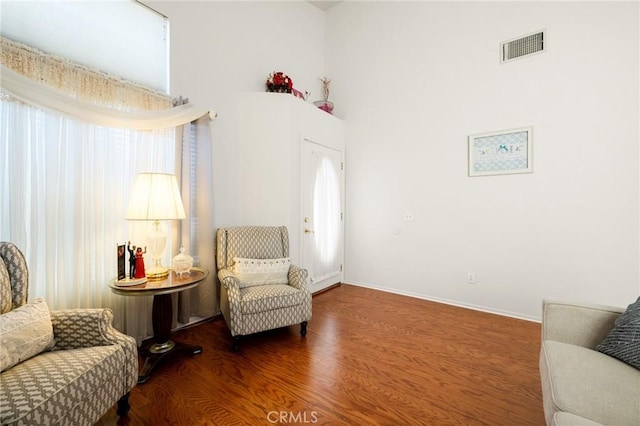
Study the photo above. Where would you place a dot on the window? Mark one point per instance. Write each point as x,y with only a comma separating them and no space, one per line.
123,38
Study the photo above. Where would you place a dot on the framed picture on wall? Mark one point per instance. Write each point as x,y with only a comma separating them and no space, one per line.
501,152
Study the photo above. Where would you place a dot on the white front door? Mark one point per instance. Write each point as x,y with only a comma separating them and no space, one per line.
323,219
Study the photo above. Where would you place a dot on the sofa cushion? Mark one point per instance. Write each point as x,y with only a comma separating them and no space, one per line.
260,271
49,388
590,384
623,341
24,332
269,297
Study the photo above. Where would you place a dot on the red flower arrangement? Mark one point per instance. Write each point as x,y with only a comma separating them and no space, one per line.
279,82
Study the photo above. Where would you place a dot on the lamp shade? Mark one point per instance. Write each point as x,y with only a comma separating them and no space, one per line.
155,196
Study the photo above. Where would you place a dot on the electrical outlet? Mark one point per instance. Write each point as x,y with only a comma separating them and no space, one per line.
471,278
408,216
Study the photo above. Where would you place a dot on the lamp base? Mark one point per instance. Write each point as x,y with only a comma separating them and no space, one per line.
157,273
157,240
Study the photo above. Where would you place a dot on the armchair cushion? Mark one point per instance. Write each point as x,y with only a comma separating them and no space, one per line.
252,272
25,332
70,387
266,298
623,341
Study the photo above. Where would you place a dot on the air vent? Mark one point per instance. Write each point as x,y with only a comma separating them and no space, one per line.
523,46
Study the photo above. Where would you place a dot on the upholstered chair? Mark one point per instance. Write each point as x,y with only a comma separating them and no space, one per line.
260,289
66,367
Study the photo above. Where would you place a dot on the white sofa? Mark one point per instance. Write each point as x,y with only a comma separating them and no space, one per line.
581,386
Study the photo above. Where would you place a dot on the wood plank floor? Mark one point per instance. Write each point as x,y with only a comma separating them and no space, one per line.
369,358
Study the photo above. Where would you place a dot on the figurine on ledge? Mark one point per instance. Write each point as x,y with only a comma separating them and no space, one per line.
139,263
132,259
137,274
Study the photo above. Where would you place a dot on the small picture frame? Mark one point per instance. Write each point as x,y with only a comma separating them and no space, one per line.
121,262
501,152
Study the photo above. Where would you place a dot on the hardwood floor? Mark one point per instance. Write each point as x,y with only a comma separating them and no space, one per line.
369,358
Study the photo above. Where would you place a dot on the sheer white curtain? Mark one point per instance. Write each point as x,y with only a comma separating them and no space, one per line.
63,195
66,164
326,216
197,233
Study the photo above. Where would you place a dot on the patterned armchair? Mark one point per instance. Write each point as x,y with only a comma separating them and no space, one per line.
61,367
250,307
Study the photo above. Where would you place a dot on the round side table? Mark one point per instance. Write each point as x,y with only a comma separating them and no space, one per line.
163,348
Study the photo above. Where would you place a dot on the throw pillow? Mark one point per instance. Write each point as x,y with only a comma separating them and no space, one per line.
25,332
623,342
261,271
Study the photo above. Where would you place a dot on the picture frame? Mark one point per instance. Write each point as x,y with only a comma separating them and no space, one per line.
121,262
501,152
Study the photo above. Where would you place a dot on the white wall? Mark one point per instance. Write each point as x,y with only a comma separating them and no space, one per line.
222,48
412,80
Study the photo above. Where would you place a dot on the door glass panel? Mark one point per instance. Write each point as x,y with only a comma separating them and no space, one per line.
322,187
326,215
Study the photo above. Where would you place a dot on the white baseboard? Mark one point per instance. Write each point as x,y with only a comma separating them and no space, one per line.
449,302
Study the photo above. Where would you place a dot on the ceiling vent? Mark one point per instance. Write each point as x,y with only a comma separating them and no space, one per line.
523,46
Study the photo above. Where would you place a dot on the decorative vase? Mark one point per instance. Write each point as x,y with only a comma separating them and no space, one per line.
182,263
326,106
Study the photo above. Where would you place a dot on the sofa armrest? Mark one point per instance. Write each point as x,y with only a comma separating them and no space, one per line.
298,277
230,305
79,328
579,324
130,348
230,281
232,284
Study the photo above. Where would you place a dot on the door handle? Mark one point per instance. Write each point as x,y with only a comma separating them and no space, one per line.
308,231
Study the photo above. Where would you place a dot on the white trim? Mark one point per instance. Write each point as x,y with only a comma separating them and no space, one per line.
449,302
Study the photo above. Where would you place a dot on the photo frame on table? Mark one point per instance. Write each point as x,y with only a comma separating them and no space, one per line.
121,262
501,152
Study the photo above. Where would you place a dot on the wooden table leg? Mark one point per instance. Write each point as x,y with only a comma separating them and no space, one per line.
163,347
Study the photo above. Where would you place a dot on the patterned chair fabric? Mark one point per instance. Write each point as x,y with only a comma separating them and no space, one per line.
253,309
91,367
14,278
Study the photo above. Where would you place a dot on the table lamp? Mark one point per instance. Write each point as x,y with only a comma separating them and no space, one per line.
155,197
